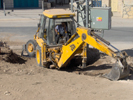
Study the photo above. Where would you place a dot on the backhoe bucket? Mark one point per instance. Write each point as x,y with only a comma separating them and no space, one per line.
119,70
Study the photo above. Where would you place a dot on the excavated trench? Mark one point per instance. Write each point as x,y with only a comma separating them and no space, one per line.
96,65
97,62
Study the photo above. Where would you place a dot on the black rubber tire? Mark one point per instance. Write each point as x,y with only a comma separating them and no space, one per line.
33,42
38,56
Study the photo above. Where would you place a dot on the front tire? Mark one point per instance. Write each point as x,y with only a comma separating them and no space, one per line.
31,47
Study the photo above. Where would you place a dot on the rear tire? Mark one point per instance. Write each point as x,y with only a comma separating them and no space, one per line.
31,47
38,56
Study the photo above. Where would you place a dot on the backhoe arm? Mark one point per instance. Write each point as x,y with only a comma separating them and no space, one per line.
86,36
70,48
120,69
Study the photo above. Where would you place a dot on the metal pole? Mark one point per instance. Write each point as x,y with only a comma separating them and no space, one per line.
77,15
72,5
42,5
87,22
91,3
87,13
4,8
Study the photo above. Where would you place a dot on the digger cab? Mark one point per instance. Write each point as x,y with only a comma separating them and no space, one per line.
46,30
52,18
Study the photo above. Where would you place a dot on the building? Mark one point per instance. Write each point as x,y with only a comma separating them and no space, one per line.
124,7
34,3
29,3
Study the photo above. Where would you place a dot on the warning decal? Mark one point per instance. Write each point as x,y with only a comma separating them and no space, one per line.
99,19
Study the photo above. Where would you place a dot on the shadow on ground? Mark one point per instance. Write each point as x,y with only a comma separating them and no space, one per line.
131,72
95,70
75,65
12,58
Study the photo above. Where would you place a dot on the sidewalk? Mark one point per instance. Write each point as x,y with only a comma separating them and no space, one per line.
20,18
30,17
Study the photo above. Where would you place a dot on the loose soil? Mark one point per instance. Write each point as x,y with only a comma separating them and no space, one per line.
22,79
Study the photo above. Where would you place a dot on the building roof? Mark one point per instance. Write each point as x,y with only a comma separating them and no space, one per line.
58,13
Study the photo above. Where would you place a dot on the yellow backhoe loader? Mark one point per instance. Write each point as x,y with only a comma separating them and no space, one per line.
49,53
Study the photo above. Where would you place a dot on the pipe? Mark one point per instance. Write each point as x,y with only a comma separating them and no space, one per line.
4,8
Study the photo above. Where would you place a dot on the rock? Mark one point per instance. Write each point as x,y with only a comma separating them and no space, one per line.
5,71
7,93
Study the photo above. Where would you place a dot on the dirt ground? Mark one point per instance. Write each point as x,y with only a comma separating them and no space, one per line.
22,79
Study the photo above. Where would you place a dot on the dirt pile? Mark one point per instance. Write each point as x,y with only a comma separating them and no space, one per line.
8,55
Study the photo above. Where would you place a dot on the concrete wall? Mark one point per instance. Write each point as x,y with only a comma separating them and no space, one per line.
40,2
9,3
120,6
105,2
45,4
126,11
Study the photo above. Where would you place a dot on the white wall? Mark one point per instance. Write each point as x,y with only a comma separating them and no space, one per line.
105,2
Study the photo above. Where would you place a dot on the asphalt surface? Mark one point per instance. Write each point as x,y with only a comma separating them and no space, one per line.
19,30
119,37
119,34
116,34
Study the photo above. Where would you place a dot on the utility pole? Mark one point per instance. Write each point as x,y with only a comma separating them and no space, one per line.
42,5
72,5
87,13
4,8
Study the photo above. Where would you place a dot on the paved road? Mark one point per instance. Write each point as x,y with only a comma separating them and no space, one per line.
120,37
119,34
19,30
23,34
113,35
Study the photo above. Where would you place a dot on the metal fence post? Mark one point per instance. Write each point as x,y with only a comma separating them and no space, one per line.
4,8
42,5
72,5
87,13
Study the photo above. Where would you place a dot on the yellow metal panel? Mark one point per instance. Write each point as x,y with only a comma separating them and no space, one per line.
69,51
59,13
93,42
39,41
114,5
